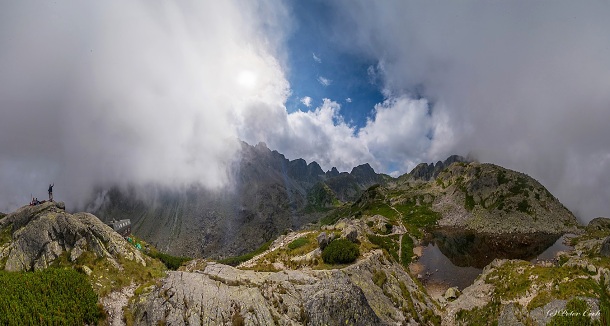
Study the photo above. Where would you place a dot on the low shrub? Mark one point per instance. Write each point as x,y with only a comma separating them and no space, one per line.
340,251
51,297
171,262
298,243
234,261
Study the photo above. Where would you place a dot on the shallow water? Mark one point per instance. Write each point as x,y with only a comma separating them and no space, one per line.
453,257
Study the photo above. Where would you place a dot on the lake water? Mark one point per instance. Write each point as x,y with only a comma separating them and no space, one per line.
452,257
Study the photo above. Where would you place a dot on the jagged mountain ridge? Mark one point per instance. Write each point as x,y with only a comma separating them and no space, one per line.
273,194
270,195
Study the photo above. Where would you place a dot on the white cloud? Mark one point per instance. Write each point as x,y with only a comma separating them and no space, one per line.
348,100
398,136
520,84
138,92
324,81
306,100
316,58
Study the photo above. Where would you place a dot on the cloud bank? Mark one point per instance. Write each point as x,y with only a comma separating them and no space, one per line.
140,92
522,84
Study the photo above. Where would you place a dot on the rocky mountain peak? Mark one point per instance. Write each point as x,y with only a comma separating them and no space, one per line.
332,173
426,172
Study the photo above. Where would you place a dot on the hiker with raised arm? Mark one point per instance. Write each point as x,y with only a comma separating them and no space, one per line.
51,191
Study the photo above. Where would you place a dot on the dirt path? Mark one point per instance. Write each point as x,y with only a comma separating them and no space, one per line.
403,230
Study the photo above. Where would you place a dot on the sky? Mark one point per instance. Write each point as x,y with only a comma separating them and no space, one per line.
94,94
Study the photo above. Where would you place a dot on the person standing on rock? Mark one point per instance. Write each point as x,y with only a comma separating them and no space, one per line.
51,191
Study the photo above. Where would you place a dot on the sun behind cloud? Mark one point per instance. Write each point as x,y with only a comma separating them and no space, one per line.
247,79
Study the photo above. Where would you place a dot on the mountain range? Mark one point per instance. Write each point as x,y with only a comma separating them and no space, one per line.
333,248
269,195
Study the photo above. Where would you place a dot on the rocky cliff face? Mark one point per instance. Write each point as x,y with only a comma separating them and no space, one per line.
270,194
34,237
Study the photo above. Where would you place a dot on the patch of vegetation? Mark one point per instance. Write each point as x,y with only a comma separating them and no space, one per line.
513,279
321,199
383,210
576,313
340,251
379,278
171,262
604,302
343,211
510,280
388,244
486,315
524,206
298,243
501,177
106,277
234,261
50,297
439,182
519,186
410,307
6,234
406,250
469,202
415,217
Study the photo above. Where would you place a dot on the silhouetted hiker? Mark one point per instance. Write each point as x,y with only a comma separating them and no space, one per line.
51,191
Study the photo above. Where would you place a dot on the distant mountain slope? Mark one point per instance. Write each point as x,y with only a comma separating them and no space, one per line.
270,195
480,197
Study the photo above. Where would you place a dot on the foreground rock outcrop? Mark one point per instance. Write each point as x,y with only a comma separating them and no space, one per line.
214,294
35,236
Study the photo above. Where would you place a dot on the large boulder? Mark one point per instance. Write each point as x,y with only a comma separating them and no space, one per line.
323,240
350,233
42,233
598,224
605,248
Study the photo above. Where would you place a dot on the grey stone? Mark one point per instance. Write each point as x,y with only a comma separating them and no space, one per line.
322,240
452,293
87,270
508,316
350,233
605,248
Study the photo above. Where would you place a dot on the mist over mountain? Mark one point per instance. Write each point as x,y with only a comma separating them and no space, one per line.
147,93
269,194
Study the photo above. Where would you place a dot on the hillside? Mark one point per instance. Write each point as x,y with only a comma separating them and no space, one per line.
489,198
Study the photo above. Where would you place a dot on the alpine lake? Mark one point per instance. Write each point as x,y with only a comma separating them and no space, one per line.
450,257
